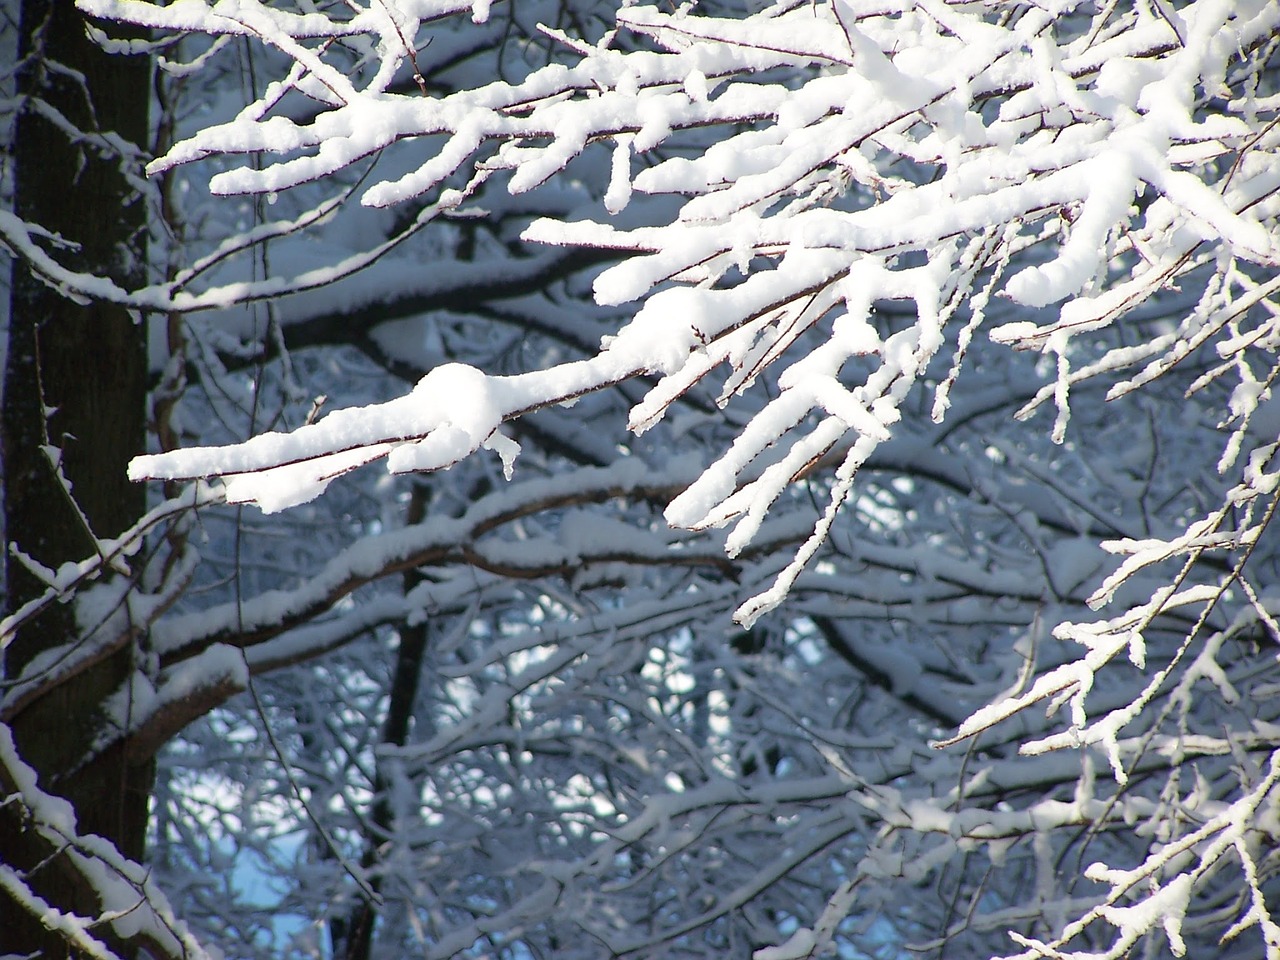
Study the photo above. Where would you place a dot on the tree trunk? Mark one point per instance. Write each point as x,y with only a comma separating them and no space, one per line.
75,380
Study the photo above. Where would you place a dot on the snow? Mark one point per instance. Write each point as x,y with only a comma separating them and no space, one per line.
1109,185
132,901
799,944
816,208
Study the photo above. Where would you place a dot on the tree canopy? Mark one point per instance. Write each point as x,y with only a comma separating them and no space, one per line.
628,480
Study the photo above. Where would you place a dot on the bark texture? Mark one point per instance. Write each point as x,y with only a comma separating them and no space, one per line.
74,392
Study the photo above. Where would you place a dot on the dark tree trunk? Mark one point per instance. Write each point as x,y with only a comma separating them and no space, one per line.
75,380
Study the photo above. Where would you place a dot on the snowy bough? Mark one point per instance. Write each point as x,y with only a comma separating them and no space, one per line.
880,236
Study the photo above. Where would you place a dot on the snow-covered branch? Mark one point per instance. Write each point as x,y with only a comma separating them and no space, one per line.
132,905
943,334
1038,142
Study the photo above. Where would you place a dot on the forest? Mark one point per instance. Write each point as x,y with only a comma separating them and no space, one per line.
640,480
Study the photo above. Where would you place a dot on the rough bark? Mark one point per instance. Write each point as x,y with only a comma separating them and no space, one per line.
75,382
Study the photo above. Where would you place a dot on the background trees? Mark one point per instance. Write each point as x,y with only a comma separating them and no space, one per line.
674,687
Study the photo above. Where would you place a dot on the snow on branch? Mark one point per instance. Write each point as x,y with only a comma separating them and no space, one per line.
1088,146
131,902
1165,902
817,208
112,555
